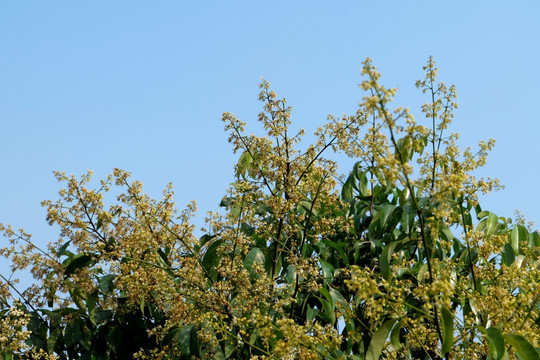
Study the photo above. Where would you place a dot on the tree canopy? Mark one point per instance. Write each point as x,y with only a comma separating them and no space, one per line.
395,260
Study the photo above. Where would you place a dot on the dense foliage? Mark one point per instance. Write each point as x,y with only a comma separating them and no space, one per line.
397,260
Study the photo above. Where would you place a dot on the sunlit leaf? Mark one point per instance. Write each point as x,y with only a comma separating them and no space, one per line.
378,340
523,348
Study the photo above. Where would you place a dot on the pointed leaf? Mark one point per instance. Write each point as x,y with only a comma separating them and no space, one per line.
167,339
491,224
509,255
106,283
518,235
523,348
378,340
255,255
386,258
211,259
395,336
496,342
447,329
347,190
188,342
76,262
311,314
327,271
243,163
337,298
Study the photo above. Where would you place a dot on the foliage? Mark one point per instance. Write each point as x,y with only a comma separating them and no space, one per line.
397,262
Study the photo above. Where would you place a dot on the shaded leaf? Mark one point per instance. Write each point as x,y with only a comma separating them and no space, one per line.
447,323
76,262
106,283
188,342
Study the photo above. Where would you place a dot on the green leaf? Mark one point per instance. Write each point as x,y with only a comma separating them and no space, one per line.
491,224
62,249
291,272
496,342
328,297
523,348
211,259
167,339
327,271
255,255
386,258
339,249
142,304
446,233
243,163
347,190
482,214
395,336
518,235
534,239
378,340
363,184
447,322
386,213
509,255
311,314
76,262
228,347
307,206
328,315
337,298
188,342
106,283
205,238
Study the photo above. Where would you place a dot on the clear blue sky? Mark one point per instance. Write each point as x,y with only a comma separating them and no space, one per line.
141,85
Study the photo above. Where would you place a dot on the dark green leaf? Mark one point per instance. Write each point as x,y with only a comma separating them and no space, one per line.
328,315
228,347
188,342
106,283
76,262
62,249
447,322
167,339
337,298
386,258
211,258
534,239
363,184
339,249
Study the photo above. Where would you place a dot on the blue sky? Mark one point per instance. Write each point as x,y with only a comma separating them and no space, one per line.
142,85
